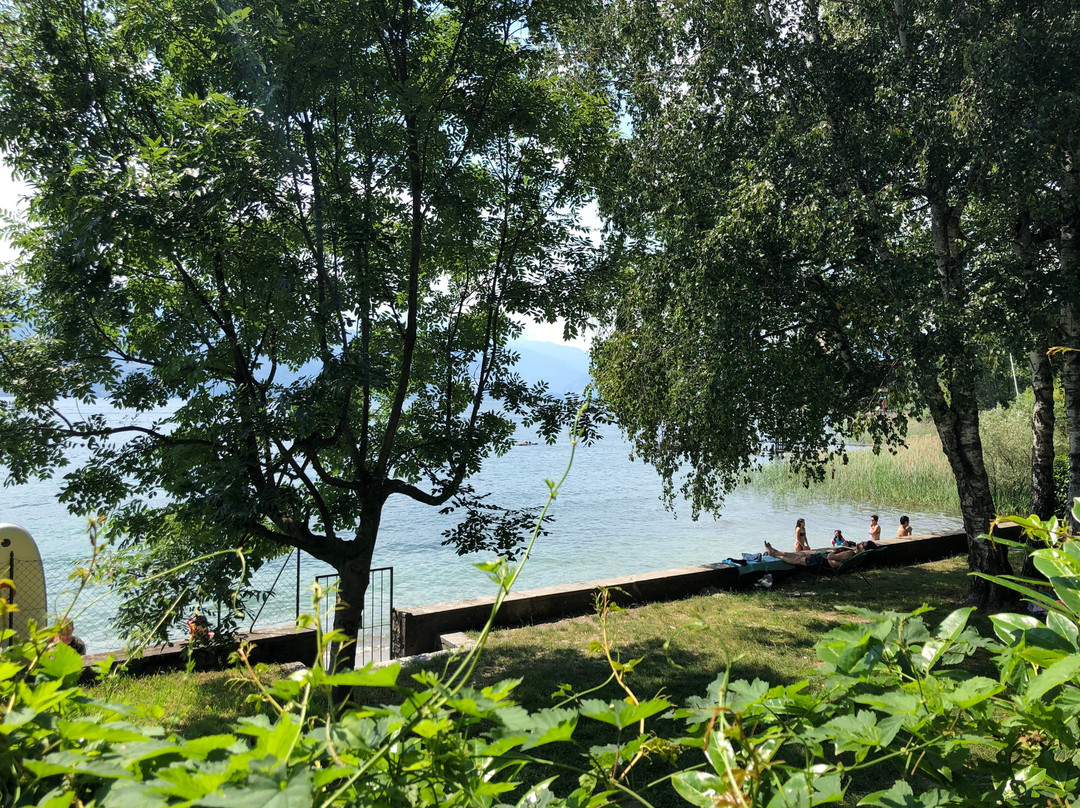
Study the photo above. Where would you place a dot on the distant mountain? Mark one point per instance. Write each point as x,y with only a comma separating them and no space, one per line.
564,367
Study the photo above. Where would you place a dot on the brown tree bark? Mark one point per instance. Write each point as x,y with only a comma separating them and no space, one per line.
1069,269
957,420
354,573
1043,489
950,394
1042,434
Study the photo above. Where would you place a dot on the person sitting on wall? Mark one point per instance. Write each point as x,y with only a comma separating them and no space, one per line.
904,530
199,628
66,635
838,540
814,560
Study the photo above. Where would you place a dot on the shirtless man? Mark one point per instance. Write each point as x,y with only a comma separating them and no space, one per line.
834,559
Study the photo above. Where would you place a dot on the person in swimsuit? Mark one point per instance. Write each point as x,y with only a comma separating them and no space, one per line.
838,540
905,528
811,559
801,544
875,529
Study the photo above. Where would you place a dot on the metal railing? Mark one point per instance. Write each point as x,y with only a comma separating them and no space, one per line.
375,641
93,608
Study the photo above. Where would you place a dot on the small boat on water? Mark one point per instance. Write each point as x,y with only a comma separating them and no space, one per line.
526,443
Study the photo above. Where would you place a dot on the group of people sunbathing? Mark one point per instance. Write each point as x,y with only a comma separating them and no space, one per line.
812,558
804,556
802,545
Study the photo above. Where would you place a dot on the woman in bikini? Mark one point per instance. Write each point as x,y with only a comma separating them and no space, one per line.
801,544
875,529
810,559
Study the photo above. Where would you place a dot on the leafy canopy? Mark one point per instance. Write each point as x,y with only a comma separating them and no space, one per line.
316,225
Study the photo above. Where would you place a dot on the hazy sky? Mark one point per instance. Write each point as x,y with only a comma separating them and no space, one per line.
9,201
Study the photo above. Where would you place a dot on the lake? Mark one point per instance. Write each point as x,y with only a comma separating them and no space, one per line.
608,521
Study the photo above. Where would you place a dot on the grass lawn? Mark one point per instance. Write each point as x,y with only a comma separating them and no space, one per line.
684,645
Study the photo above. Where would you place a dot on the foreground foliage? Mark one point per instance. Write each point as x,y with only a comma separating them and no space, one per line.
900,698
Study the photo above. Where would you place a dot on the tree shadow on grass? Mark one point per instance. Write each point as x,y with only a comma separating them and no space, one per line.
222,699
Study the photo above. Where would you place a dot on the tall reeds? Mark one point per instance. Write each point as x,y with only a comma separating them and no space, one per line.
917,477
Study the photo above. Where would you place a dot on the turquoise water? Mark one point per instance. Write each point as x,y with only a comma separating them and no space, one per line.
609,521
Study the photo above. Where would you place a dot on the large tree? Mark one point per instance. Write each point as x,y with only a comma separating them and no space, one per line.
316,223
807,247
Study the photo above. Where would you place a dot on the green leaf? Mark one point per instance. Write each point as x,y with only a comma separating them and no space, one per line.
61,662
621,714
901,796
1065,627
949,630
83,732
546,726
1061,566
264,791
1057,674
861,732
794,793
1008,625
895,702
703,789
367,676
973,691
539,795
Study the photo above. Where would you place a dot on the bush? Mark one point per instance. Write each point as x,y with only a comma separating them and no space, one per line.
901,701
1061,485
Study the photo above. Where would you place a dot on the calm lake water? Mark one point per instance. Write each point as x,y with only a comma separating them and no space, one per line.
609,521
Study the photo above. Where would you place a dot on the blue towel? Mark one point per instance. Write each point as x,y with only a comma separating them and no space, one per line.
754,557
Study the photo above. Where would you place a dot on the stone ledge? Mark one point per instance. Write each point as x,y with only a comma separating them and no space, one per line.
418,630
277,644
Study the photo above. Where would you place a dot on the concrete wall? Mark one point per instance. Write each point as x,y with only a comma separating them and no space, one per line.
281,644
417,630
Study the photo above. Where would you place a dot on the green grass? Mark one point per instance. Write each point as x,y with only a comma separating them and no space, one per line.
683,645
191,704
918,476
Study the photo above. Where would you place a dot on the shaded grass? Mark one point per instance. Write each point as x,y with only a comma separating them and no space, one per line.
191,704
767,634
683,646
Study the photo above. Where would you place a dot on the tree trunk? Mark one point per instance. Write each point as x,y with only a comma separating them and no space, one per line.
354,573
949,391
1070,381
957,422
1043,493
1069,269
1042,434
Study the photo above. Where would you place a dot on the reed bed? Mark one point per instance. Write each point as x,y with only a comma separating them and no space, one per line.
917,477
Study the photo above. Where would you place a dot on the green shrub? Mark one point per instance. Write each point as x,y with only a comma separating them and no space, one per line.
1061,485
